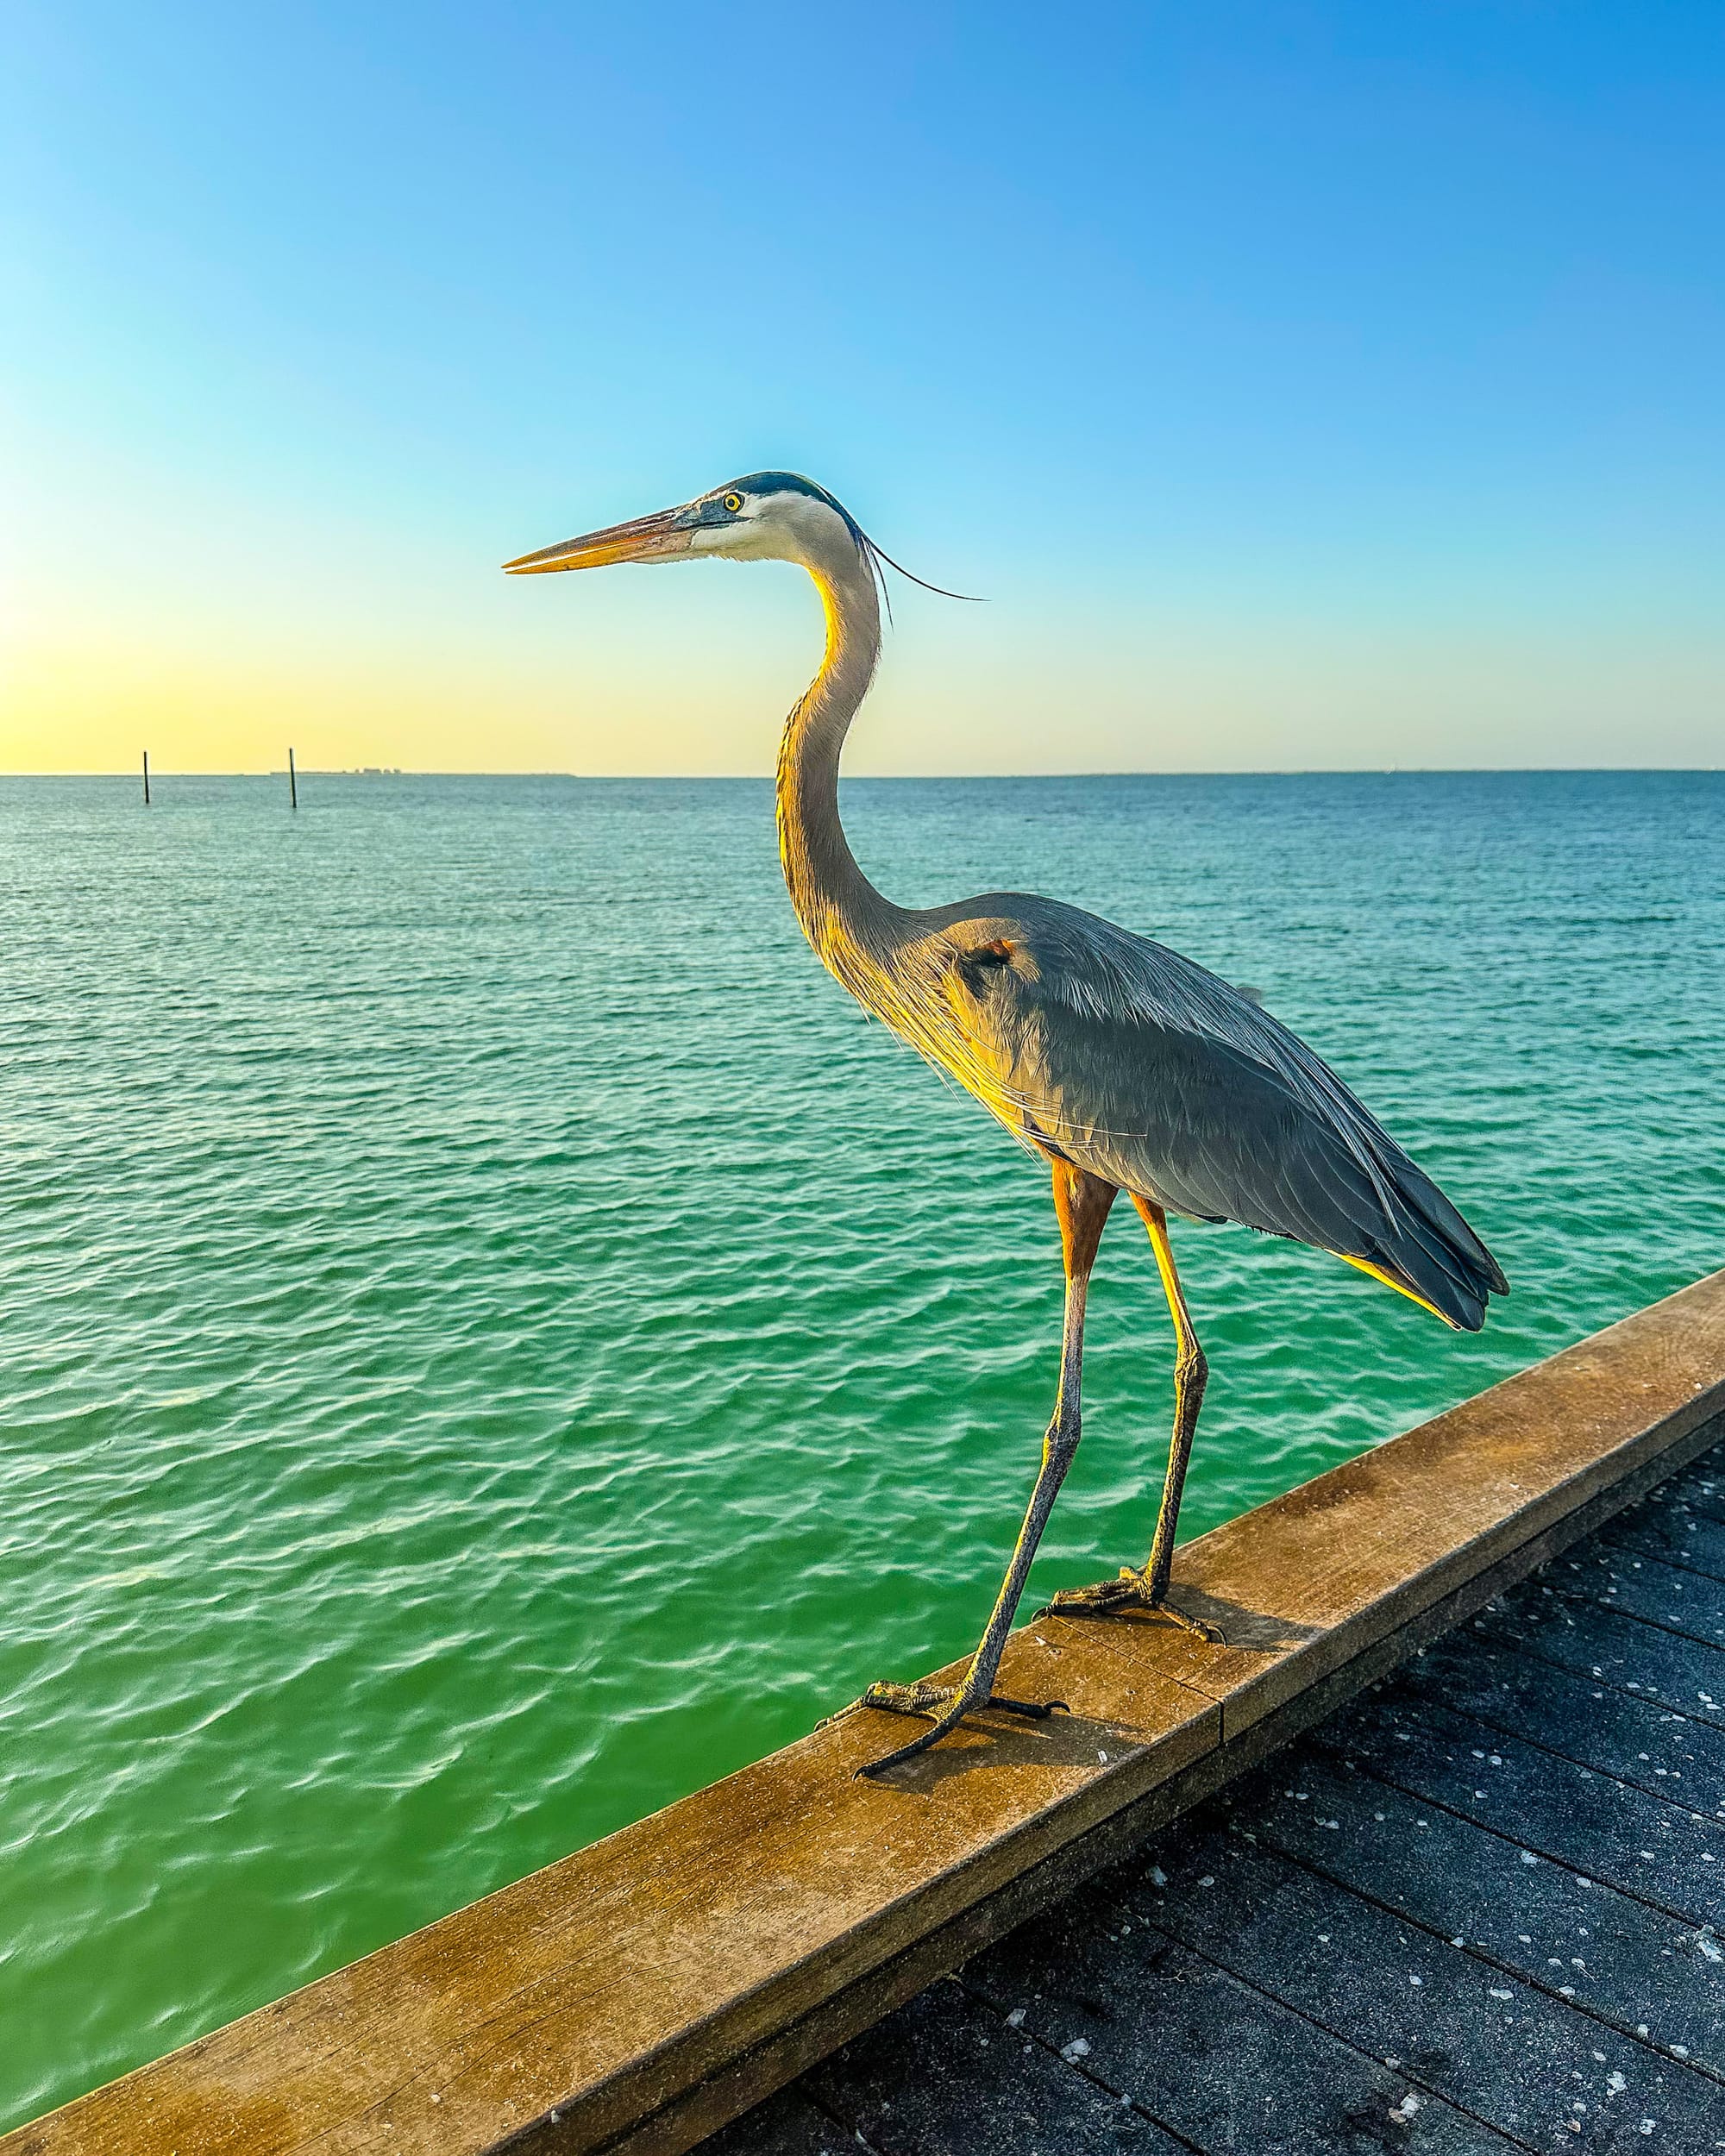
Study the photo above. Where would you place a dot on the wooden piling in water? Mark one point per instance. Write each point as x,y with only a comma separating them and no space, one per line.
147,778
293,783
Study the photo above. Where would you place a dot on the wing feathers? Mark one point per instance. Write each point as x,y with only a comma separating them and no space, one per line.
1157,1074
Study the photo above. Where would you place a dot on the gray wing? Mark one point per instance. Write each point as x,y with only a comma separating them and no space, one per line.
1147,1069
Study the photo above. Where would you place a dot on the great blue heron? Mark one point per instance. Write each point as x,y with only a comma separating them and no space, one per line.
1121,1064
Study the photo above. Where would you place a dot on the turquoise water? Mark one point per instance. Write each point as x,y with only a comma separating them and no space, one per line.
492,1339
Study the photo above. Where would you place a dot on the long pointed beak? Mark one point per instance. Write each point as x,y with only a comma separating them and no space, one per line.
653,538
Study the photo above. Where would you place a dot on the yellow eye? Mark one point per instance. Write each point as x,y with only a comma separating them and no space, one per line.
733,503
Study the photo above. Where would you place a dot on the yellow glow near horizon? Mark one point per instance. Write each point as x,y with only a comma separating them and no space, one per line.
635,697
216,657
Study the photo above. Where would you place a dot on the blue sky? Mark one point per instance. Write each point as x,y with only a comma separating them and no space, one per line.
1305,386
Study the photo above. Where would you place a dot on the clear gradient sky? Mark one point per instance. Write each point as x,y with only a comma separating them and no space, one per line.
1307,385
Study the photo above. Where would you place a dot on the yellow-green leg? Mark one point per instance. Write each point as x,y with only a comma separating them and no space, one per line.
1081,1203
1146,1586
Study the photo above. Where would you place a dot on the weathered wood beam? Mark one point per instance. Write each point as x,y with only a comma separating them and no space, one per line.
636,1994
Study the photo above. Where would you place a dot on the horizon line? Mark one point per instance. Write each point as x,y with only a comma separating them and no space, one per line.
765,778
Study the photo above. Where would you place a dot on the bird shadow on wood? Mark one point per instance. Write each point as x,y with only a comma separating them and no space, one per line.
989,1740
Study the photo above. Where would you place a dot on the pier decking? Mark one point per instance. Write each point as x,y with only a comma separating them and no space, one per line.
648,1991
1480,1908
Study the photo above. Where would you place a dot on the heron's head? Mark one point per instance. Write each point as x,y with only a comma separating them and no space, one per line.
769,516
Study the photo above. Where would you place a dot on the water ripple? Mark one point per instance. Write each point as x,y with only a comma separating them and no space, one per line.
494,1340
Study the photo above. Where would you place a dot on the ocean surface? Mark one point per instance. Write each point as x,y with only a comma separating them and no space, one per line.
492,1339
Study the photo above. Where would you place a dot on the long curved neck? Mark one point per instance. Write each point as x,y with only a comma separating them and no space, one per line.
841,911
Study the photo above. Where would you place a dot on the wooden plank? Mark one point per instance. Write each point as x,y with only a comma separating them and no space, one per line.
1702,1488
1675,1534
1559,1930
1526,2063
1640,1844
1658,1594
659,1983
1597,1725
1216,2061
1686,1674
945,2075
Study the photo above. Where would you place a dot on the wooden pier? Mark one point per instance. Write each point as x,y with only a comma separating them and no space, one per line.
1481,1909
1316,1890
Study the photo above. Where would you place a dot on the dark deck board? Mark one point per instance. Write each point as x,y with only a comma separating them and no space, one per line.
1681,1673
1217,2061
1640,1845
1595,1725
1670,1595
1641,1969
1480,1908
788,2124
1679,1534
1498,2048
931,2079
1701,1486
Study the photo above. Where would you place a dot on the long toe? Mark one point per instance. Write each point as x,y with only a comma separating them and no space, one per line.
949,1720
1101,1595
907,1699
895,1699
1131,1589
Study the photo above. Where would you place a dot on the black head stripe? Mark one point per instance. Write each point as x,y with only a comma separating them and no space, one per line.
760,484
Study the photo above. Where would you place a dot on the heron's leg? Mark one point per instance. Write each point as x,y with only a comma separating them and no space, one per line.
1082,1201
1191,1373
1149,1584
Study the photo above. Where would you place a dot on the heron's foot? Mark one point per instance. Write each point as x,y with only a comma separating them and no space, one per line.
946,1705
933,1700
1130,1590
